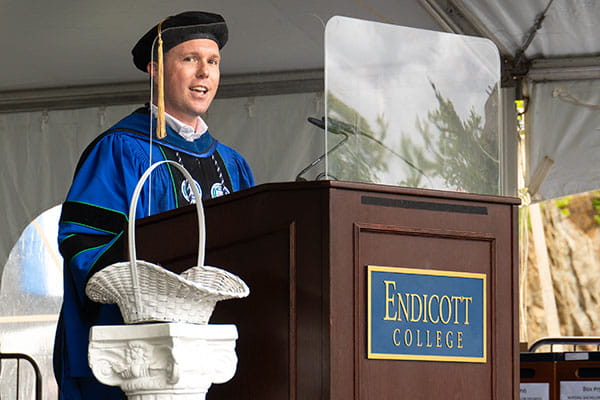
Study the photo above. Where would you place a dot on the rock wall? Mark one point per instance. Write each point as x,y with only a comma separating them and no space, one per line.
573,238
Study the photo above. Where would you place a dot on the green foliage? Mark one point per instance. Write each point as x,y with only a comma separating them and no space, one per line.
596,206
563,202
460,152
596,203
563,205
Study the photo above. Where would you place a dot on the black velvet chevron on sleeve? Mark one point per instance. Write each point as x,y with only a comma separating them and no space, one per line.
111,223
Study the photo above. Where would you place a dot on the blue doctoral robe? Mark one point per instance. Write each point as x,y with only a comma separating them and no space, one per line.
95,214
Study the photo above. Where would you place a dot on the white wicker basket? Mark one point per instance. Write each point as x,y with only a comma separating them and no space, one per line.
146,292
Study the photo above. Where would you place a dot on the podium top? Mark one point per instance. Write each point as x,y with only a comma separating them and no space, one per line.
365,187
338,185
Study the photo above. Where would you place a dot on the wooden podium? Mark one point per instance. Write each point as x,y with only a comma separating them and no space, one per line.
303,249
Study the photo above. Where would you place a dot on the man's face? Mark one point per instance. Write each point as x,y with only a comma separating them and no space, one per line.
191,79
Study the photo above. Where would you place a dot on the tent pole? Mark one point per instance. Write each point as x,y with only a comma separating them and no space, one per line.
543,263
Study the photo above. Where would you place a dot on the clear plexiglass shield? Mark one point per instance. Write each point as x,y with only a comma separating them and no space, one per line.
411,107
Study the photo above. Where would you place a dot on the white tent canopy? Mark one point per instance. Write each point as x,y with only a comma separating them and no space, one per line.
559,45
67,74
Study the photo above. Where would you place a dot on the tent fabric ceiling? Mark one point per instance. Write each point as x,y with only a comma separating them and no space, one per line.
64,43
569,28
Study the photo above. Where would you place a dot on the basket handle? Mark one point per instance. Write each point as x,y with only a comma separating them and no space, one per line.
131,226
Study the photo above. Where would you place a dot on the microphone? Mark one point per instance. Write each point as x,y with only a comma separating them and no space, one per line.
345,129
320,123
323,175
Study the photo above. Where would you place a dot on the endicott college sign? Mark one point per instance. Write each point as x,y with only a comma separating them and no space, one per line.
418,314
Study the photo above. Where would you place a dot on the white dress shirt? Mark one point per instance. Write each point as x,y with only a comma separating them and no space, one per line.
184,130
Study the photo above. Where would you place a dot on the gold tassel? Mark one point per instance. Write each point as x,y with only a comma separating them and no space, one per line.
160,102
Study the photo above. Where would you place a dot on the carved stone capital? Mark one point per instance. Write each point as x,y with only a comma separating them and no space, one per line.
163,361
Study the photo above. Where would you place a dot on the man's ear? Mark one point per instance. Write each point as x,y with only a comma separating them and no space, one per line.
152,68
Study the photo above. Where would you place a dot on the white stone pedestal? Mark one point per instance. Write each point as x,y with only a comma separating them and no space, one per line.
163,361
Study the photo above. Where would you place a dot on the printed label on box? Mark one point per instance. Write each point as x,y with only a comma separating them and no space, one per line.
535,391
580,390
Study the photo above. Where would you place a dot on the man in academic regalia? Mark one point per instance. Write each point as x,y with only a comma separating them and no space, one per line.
95,211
